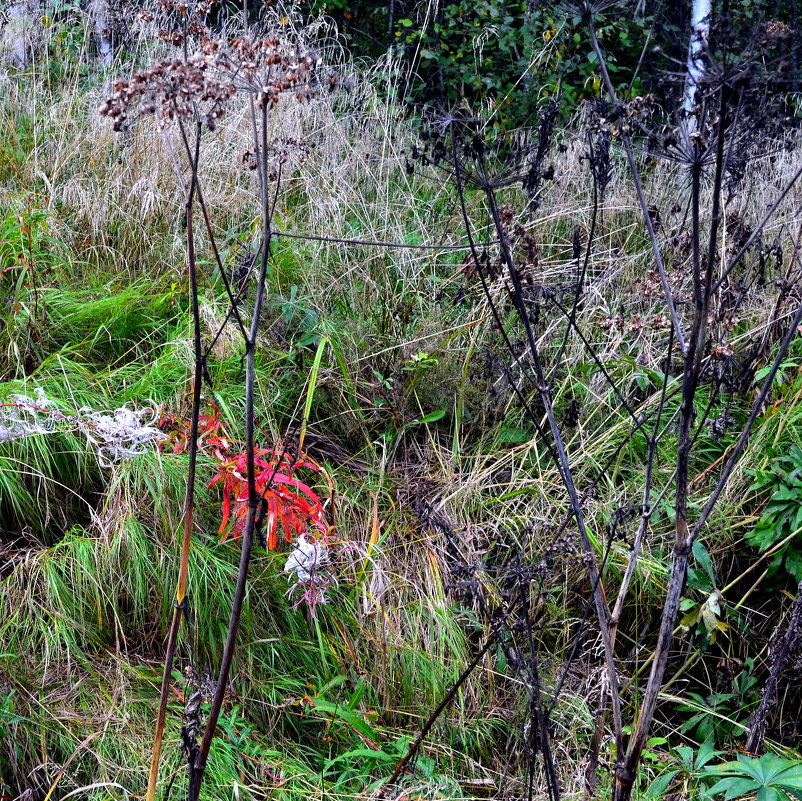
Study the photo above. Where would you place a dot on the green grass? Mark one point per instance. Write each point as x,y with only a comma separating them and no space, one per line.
94,311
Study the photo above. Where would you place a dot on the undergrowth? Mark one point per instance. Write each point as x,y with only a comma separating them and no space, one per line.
412,412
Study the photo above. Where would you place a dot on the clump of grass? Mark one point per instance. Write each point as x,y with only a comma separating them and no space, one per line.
98,317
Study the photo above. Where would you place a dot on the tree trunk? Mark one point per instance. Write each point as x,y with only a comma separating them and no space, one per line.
20,30
700,31
98,14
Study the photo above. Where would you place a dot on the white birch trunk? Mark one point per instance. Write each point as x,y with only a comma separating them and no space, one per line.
700,31
98,14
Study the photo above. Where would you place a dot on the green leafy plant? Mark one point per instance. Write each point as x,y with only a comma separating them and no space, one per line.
703,618
714,717
685,773
720,717
300,320
769,778
782,515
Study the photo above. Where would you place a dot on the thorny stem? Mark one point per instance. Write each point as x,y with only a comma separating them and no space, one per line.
179,605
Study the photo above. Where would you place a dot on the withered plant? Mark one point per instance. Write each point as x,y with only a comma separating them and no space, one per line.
691,303
263,66
698,288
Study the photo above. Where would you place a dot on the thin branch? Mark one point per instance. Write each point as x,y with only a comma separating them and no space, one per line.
198,765
679,570
374,243
757,230
638,184
602,611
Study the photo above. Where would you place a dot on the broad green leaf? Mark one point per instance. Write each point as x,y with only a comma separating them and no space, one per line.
770,794
705,754
362,754
703,559
734,787
660,784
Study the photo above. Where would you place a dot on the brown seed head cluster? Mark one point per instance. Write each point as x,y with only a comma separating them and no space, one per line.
176,89
636,323
526,251
776,31
271,67
721,351
266,68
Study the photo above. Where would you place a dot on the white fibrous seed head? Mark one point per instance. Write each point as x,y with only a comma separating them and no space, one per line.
306,558
23,416
307,561
115,435
120,434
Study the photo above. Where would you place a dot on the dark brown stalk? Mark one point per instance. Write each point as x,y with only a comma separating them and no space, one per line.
783,647
254,499
647,509
532,684
560,460
638,184
538,719
563,465
684,544
432,719
491,303
627,764
180,602
233,300
679,571
580,284
758,229
378,244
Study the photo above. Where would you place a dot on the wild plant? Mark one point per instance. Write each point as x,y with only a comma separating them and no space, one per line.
263,66
696,312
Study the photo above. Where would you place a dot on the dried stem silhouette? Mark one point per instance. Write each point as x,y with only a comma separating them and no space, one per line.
180,602
710,104
783,647
198,765
466,161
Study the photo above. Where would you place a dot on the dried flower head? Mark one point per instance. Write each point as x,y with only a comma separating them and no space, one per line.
199,87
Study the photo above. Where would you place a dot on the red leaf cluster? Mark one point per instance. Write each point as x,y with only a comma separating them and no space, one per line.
290,504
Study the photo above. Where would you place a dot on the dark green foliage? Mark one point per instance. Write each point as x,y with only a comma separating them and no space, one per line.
770,776
509,56
781,517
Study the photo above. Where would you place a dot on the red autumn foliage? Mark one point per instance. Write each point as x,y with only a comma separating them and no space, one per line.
290,505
